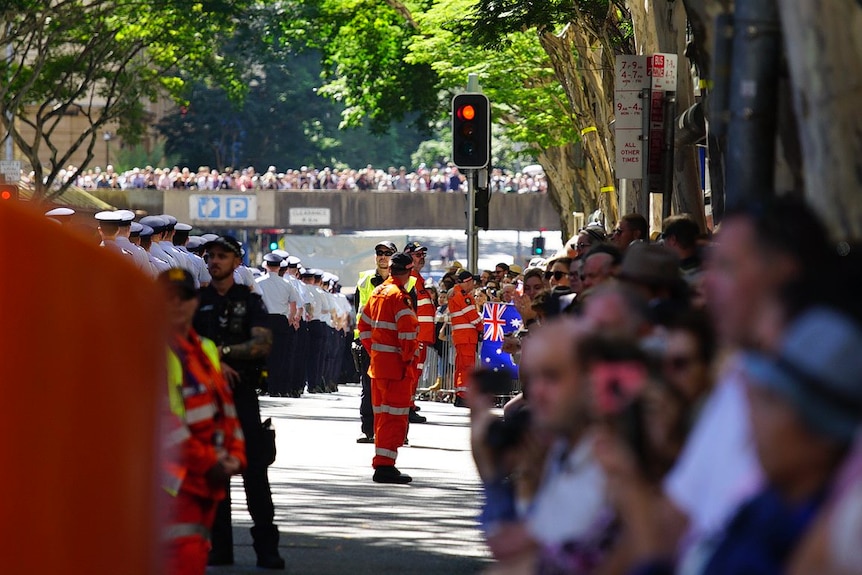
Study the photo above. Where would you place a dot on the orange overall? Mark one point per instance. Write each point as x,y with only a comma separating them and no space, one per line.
466,327
204,425
388,330
425,312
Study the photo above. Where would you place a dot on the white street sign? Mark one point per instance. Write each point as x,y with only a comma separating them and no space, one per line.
663,69
309,217
11,170
630,80
629,163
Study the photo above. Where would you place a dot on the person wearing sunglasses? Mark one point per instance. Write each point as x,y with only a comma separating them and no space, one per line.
632,228
368,280
557,273
589,236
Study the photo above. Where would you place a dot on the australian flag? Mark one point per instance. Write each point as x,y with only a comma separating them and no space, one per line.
500,319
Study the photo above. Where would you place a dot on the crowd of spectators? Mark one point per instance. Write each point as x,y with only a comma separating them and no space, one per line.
422,179
690,404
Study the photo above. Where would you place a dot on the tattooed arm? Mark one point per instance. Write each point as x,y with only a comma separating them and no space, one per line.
257,347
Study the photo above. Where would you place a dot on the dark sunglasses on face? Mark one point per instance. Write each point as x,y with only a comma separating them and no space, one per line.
384,253
557,275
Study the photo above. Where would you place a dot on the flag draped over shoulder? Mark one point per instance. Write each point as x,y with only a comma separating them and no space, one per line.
499,319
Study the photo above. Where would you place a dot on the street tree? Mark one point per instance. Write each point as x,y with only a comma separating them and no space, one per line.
103,61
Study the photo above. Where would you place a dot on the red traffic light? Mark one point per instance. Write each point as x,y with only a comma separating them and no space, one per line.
8,192
471,131
467,112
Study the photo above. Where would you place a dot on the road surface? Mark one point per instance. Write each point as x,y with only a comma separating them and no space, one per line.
334,520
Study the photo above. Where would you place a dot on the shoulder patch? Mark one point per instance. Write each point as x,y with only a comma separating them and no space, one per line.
468,300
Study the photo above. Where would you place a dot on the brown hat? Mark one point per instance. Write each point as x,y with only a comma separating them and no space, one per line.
650,264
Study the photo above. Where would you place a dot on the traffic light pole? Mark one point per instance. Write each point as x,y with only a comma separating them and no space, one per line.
472,231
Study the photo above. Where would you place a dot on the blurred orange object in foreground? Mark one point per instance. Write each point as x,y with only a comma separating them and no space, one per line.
82,377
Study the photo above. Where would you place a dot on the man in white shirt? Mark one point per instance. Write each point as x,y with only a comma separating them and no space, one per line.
280,299
317,331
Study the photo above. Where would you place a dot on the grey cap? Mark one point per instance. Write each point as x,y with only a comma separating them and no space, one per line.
136,228
272,259
158,223
194,242
183,227
281,253
209,237
146,231
817,371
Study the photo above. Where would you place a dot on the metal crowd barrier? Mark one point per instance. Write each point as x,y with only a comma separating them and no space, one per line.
440,367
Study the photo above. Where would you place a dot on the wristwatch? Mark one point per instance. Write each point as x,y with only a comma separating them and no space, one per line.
225,351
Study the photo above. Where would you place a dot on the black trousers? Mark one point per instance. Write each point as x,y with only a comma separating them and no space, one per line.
277,364
315,354
299,358
255,481
366,409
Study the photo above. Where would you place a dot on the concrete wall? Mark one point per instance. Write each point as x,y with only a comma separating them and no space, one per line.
388,210
357,210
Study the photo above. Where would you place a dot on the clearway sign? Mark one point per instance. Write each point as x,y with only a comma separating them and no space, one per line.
224,208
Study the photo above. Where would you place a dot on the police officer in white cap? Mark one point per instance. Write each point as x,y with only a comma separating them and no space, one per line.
194,261
158,265
160,226
281,300
109,227
139,255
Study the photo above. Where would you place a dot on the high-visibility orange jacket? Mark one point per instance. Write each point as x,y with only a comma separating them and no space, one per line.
466,323
425,310
388,329
205,419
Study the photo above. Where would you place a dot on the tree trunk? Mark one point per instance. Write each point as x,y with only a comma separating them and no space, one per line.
577,63
660,27
823,47
564,179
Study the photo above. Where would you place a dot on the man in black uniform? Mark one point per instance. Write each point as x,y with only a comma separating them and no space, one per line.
236,319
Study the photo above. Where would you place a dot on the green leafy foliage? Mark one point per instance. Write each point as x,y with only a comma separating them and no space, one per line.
104,60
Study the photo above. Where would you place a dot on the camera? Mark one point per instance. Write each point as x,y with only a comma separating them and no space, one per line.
506,433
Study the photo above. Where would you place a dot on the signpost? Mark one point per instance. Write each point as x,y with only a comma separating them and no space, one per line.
318,217
631,80
644,97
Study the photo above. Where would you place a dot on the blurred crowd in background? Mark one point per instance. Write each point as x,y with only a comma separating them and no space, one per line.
690,404
442,178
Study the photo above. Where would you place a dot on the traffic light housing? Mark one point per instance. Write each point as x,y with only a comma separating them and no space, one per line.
538,246
8,192
471,131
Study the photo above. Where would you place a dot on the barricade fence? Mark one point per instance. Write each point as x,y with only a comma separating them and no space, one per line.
437,382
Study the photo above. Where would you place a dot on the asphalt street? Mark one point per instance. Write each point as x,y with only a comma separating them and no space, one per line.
334,520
